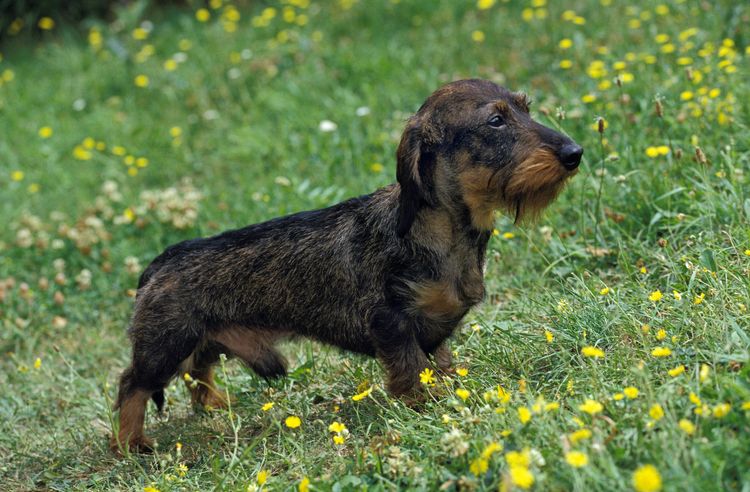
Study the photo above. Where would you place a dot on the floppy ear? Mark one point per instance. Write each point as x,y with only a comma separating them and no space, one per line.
415,164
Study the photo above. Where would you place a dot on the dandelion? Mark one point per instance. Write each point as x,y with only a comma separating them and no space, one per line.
745,406
485,4
292,422
376,167
262,477
721,410
463,393
656,411
655,296
362,395
592,407
704,372
46,23
267,406
646,479
579,435
508,235
699,298
576,459
631,392
565,43
477,36
687,426
661,352
521,477
676,371
524,415
202,15
549,336
462,371
604,291
37,363
17,175
592,352
337,427
304,485
141,81
552,406
45,132
427,377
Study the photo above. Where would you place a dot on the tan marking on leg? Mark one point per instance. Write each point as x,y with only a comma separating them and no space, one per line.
132,417
203,390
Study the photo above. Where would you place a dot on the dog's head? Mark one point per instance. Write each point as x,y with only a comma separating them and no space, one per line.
473,147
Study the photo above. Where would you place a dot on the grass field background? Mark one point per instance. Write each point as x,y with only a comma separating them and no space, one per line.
615,334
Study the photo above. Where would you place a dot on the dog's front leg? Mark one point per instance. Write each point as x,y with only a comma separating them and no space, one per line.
398,349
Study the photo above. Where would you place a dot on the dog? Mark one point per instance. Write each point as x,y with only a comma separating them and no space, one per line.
390,274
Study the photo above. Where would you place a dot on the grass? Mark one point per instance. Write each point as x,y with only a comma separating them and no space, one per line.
661,205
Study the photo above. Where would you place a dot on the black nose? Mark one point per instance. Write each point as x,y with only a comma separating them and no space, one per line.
570,156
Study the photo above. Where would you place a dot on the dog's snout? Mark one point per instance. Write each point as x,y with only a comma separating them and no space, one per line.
570,155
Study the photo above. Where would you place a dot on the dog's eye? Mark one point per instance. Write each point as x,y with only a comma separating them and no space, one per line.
496,122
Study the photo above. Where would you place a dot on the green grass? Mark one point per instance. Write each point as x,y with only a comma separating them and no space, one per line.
249,104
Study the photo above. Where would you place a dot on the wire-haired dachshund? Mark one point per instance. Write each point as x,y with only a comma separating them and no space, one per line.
390,274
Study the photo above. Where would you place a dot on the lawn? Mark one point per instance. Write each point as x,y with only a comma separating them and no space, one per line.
611,351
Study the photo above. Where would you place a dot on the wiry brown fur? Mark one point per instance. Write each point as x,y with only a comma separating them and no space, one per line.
390,274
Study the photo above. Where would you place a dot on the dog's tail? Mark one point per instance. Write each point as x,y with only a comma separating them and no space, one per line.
158,397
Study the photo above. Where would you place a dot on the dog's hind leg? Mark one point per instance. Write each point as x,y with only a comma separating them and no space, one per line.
200,368
158,352
255,347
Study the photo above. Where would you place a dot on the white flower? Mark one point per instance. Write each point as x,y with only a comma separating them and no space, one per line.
363,111
327,126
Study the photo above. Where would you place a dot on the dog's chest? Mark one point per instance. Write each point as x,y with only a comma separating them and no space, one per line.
458,287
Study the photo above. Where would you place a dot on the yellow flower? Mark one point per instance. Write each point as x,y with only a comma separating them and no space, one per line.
202,15
655,296
694,399
262,477
339,439
17,175
631,392
687,426
579,435
376,167
170,65
508,235
521,477
485,4
293,422
549,336
187,377
518,458
502,395
479,466
592,352
46,23
337,427
565,43
661,334
141,81
656,412
647,479
604,291
699,298
661,352
45,132
477,36
267,406
304,485
552,406
704,372
677,371
362,395
427,376
463,393
139,33
566,64
524,415
686,95
462,371
576,459
588,98
618,396
592,407
37,363
119,150
719,411
746,405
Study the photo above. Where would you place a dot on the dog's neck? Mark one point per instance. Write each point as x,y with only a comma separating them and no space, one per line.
445,230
